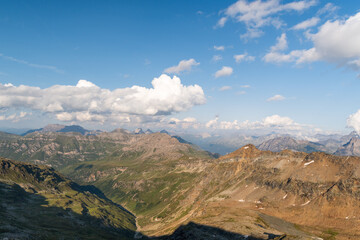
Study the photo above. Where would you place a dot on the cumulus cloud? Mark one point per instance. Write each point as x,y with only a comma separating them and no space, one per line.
276,97
270,122
188,122
14,117
224,71
258,13
243,57
225,88
353,121
335,42
306,24
184,65
88,102
219,48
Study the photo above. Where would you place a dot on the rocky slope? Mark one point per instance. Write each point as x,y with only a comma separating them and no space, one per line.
351,148
36,202
317,192
282,143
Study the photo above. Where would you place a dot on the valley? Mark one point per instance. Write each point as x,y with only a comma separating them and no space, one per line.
171,186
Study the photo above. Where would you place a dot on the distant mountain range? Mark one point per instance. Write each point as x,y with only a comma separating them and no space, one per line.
335,144
62,128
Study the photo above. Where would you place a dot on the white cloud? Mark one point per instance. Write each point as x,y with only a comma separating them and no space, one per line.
276,120
258,13
328,8
14,117
219,48
225,88
224,71
281,44
335,42
338,41
276,97
216,58
245,86
353,121
306,24
270,122
184,65
243,57
221,22
52,68
88,102
185,123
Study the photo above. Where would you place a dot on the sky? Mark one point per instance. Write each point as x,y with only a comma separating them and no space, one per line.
201,65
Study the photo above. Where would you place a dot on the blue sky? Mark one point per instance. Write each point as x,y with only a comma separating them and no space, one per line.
278,74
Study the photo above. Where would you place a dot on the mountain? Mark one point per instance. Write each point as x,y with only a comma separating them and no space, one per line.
177,190
317,192
346,138
164,131
138,131
62,128
8,136
352,148
249,192
282,143
37,202
148,131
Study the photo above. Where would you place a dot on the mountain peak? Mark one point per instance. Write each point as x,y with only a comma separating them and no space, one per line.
351,148
148,131
138,131
164,131
246,151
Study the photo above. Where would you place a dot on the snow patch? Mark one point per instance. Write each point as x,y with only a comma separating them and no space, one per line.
305,164
241,200
305,203
246,147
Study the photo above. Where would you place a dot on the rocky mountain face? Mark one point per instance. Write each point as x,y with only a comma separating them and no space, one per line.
282,143
36,202
351,148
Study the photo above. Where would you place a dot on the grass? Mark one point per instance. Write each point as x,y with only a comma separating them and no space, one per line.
329,234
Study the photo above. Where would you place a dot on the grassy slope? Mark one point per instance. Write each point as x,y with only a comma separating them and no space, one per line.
156,190
37,202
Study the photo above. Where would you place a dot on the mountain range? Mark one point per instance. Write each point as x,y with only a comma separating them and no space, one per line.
167,188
